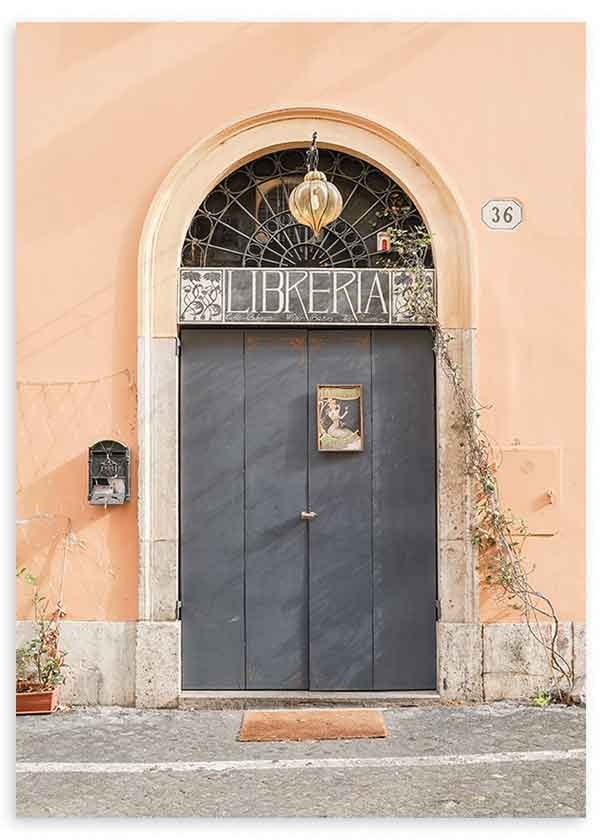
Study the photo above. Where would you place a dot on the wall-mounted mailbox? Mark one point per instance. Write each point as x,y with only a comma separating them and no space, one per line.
109,473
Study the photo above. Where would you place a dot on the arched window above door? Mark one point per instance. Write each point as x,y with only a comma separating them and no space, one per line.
245,220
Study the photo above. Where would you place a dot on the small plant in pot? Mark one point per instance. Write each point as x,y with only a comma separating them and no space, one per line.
40,664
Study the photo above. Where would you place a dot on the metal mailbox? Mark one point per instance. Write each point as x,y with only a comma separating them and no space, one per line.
109,473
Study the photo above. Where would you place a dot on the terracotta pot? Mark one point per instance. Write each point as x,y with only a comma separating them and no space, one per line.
37,702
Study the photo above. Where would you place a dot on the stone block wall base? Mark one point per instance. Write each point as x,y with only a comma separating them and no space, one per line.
157,654
579,660
459,661
128,663
100,661
515,665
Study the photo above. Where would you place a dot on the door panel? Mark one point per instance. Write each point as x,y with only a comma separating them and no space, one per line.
341,638
276,538
404,510
212,509
346,601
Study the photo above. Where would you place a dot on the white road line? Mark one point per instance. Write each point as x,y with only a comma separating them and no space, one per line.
295,763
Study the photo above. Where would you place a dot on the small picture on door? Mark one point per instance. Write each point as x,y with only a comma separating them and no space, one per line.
339,418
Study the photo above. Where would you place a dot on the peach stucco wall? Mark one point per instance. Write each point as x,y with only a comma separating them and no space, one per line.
104,111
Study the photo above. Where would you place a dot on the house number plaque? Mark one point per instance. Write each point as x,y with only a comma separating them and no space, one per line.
502,214
296,296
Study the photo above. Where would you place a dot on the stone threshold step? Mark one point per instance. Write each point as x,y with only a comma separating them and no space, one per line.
298,699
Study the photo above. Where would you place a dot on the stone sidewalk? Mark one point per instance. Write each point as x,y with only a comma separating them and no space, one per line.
501,759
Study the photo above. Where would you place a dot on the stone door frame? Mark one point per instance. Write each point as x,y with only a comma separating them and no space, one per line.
158,647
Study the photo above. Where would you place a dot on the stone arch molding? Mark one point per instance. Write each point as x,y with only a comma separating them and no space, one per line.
190,180
211,160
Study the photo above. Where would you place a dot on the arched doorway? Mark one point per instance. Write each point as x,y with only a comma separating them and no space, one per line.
158,646
307,454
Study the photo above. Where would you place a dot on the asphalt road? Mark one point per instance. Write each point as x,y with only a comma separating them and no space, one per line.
495,760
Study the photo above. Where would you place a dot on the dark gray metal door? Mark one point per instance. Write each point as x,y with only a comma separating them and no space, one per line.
270,600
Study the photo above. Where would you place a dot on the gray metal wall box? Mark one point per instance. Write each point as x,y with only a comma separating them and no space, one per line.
109,473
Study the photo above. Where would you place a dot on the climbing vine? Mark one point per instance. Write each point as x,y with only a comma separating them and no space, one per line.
498,534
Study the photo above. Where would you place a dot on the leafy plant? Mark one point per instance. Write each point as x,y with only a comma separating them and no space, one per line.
499,535
39,662
542,699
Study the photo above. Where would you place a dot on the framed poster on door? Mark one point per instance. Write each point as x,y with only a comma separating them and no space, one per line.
340,418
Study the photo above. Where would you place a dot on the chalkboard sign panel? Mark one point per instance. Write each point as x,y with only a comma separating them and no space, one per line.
296,296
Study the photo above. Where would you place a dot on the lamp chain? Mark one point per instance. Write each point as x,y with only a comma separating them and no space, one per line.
312,155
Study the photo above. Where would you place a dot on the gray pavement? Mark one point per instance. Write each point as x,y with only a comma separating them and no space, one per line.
501,759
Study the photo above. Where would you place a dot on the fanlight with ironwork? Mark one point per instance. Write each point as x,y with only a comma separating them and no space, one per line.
245,220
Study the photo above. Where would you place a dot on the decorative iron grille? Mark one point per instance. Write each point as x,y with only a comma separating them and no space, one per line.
245,220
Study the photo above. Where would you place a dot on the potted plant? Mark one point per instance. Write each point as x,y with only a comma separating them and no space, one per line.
40,662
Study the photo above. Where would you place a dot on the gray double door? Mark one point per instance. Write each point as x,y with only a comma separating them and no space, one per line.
345,601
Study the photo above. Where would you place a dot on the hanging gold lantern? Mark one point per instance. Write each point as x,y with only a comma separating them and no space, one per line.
315,202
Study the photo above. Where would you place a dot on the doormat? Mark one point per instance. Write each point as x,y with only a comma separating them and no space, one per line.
312,725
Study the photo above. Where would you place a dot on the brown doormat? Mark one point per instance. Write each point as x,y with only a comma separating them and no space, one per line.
312,725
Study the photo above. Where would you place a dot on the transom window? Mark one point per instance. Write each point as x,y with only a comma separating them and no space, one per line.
245,220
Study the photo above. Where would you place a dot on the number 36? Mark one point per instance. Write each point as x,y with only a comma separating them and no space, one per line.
507,216
502,213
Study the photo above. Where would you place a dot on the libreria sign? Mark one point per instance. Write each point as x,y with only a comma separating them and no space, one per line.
295,295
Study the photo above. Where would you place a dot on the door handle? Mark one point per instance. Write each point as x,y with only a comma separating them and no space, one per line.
308,515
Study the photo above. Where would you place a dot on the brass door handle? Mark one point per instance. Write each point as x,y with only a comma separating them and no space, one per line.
308,515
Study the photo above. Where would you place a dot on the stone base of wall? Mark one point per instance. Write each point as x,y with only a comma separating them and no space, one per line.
100,659
459,661
128,663
158,677
579,660
503,661
515,665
